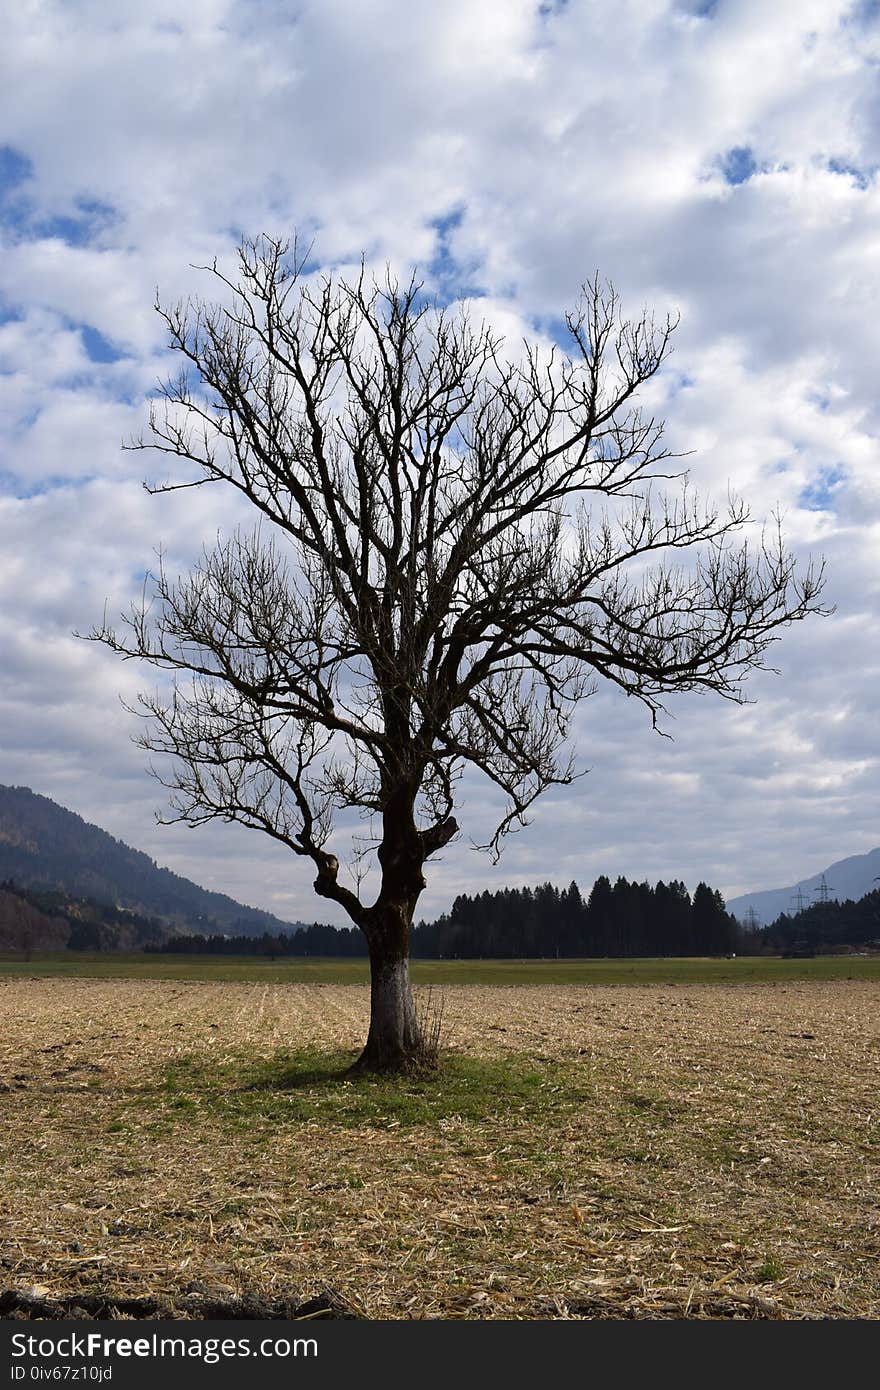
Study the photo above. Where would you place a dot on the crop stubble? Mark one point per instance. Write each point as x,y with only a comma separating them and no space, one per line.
702,1151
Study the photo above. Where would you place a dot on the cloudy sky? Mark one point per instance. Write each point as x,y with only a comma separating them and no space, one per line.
719,158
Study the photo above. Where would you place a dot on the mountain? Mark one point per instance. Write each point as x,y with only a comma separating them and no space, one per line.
847,878
44,846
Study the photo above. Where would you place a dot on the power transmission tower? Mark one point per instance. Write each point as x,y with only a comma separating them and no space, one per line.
822,891
799,900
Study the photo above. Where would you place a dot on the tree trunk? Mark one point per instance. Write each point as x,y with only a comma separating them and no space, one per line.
394,1042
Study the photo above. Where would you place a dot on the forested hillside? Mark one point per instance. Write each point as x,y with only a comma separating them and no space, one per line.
44,846
35,919
24,927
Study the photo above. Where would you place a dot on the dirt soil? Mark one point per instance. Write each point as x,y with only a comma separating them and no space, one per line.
699,1151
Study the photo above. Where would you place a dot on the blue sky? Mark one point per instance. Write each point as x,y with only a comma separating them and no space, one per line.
719,159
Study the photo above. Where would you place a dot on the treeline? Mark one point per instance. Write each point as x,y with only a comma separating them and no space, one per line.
623,919
825,926
626,919
317,940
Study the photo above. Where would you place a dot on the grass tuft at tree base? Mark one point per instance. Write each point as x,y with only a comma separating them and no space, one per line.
309,1085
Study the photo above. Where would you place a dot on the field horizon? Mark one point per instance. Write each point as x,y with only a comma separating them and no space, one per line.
618,970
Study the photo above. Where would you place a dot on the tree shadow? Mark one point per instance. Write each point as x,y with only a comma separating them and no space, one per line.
306,1075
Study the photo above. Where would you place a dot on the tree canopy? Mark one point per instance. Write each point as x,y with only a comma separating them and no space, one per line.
457,543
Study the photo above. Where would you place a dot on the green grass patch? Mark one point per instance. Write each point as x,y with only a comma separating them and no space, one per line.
771,1270
305,1086
327,970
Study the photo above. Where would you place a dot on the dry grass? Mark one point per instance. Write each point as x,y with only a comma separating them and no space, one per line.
703,1151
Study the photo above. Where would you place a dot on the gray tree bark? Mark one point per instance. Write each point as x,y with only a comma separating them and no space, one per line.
394,1042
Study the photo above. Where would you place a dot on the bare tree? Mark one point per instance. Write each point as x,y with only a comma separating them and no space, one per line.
431,585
